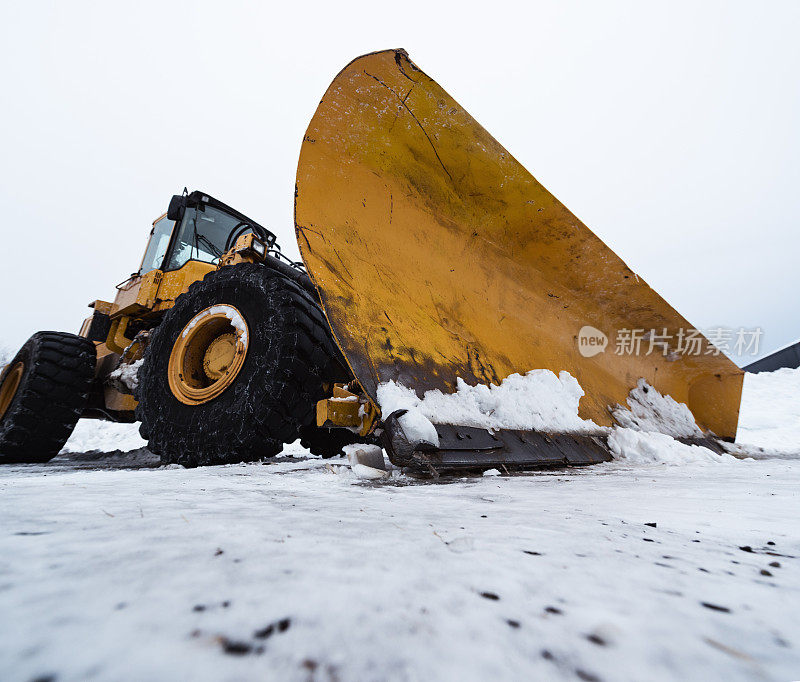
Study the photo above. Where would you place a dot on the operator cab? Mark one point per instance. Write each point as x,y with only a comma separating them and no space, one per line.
197,227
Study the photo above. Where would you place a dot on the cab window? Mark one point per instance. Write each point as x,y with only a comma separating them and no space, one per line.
202,236
157,246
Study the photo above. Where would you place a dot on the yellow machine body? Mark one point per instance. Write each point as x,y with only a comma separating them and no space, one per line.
437,255
141,297
144,298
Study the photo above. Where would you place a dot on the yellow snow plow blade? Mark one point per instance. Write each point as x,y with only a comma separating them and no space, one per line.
437,256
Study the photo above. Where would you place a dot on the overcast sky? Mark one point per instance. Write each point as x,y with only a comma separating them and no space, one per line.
671,129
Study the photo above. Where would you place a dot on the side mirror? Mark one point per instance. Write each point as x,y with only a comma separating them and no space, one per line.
177,207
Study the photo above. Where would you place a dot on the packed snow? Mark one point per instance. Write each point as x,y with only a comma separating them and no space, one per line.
648,410
536,400
367,461
640,447
236,319
299,568
542,401
128,374
417,426
95,435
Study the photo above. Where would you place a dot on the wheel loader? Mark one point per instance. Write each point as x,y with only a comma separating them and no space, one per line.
429,255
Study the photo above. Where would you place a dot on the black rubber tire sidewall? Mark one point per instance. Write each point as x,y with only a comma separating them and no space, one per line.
276,389
51,396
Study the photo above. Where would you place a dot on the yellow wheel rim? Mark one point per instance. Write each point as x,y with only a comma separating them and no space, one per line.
208,354
8,389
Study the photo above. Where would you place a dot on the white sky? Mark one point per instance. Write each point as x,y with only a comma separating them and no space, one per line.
671,129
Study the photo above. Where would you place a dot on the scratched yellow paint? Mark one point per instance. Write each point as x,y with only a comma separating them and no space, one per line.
437,255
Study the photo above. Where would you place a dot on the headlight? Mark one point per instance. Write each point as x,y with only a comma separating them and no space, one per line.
259,247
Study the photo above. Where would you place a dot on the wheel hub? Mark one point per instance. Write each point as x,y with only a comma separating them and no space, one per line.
208,354
9,386
219,356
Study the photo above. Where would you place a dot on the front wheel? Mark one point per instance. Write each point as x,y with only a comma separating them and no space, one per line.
43,392
235,368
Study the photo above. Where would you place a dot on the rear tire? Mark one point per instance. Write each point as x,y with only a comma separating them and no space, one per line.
290,356
52,374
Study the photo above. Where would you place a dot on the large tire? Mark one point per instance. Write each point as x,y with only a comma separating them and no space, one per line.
290,356
327,442
53,374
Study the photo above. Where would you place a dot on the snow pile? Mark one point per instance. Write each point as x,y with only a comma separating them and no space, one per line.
103,436
366,461
542,401
128,374
538,400
639,447
770,413
651,411
416,425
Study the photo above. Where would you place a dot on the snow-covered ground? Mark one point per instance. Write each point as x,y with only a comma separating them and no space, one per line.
769,416
114,569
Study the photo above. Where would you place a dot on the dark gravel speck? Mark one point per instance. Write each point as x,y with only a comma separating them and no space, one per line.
235,648
715,607
263,633
279,626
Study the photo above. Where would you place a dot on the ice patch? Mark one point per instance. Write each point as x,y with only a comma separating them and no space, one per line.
651,411
128,374
538,400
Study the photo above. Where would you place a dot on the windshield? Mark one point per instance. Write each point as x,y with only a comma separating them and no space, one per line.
157,246
202,236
